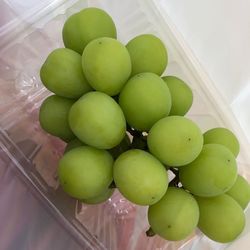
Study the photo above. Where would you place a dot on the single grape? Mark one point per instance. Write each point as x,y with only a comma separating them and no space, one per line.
145,99
97,120
175,140
181,94
148,54
73,144
85,26
120,148
62,74
53,117
104,196
240,191
221,218
212,173
140,177
106,64
224,137
84,172
175,216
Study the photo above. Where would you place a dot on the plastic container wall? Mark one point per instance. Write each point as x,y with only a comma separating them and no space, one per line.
116,224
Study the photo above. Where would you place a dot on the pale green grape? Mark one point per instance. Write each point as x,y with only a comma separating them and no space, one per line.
53,117
62,74
212,173
224,137
240,191
175,140
100,198
120,148
145,99
181,94
148,54
175,216
85,26
97,120
140,177
85,172
221,218
106,64
73,144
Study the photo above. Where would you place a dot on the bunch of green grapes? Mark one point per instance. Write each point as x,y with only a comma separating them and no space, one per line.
124,125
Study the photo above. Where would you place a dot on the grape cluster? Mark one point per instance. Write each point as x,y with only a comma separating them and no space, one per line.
125,128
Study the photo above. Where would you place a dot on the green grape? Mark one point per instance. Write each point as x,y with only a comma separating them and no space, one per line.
140,177
97,120
148,54
182,96
224,137
212,173
62,74
240,191
221,218
53,117
106,64
145,99
73,144
175,140
85,26
175,216
122,147
100,198
84,172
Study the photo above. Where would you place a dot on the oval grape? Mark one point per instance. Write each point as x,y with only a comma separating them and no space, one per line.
62,74
145,99
148,54
181,94
140,177
106,64
84,172
53,117
240,191
224,137
212,173
175,216
221,218
175,140
97,120
104,196
85,26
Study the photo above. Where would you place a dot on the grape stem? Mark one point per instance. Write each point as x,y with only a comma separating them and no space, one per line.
133,132
150,232
112,185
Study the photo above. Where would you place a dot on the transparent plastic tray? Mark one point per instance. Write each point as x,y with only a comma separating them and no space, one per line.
25,44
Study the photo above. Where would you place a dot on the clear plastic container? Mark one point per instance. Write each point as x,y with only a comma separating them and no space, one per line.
33,154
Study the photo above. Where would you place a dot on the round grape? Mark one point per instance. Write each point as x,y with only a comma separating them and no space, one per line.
140,177
145,99
212,173
175,140
148,54
62,74
106,64
175,216
85,26
84,172
97,120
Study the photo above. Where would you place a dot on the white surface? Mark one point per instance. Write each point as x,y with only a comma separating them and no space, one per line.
218,32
